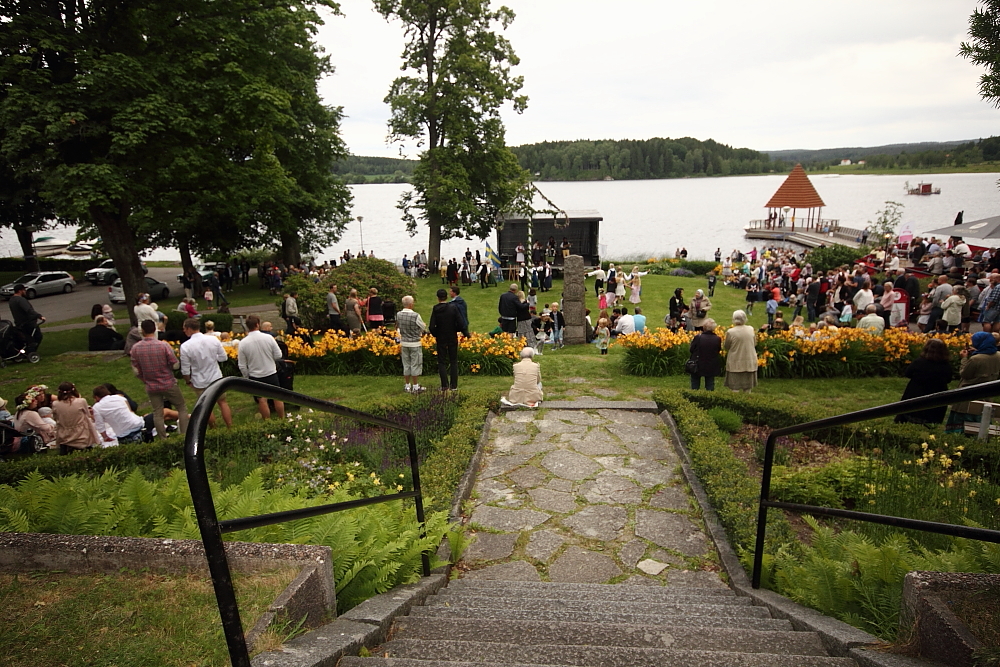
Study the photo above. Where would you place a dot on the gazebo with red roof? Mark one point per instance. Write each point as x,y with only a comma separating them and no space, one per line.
796,192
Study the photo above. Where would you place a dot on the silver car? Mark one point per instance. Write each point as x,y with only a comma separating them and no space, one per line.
155,288
38,284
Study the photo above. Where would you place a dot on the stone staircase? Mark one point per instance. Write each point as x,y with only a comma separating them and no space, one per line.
478,622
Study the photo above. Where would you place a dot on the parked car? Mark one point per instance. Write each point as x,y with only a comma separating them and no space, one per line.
204,269
38,284
156,289
106,273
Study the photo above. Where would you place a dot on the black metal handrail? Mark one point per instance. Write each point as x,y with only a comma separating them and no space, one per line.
972,393
204,507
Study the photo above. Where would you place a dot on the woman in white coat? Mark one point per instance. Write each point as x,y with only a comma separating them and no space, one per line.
741,354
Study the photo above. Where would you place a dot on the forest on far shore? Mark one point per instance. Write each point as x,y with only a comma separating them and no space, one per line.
628,159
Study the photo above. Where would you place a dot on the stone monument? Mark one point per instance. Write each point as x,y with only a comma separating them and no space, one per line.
574,293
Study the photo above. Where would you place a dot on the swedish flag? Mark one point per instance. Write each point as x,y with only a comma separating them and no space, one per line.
492,257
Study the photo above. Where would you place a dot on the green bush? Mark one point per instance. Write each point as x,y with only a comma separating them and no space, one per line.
731,490
449,457
359,274
833,256
727,420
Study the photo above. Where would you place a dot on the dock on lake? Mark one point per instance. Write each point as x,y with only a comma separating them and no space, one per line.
813,234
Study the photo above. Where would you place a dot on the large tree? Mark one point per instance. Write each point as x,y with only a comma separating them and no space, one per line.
450,105
166,119
984,48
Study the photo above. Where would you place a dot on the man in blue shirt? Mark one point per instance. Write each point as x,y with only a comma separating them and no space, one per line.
640,321
463,307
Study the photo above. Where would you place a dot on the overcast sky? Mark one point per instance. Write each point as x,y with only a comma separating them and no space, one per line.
769,75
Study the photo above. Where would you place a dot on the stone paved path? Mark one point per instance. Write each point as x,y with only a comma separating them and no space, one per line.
584,496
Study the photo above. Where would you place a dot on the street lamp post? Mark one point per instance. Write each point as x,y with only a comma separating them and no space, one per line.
362,232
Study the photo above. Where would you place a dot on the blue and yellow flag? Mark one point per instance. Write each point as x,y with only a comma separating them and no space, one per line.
492,256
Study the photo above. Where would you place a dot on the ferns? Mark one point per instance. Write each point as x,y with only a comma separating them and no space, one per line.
860,581
374,549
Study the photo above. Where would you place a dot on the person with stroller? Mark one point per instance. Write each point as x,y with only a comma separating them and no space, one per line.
26,318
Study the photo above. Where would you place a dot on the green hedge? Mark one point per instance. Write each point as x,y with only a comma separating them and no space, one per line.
443,468
732,491
249,441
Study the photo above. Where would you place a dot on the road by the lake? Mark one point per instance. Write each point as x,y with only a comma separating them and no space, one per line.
59,307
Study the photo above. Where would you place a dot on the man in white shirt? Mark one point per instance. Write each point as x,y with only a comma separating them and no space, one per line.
111,412
258,354
872,322
200,359
626,323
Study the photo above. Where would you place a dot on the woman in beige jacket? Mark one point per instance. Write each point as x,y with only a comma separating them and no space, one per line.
741,354
527,389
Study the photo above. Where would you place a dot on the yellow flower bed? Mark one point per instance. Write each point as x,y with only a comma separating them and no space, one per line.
785,354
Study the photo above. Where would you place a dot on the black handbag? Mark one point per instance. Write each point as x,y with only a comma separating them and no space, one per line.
691,365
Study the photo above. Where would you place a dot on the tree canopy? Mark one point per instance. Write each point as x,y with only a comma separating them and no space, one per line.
173,122
450,105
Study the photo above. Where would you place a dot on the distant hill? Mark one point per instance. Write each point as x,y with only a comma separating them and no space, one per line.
687,157
858,152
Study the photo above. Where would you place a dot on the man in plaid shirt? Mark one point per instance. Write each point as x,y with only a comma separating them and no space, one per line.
990,307
154,362
411,327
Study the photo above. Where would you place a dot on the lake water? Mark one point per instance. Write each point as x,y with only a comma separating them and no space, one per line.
653,218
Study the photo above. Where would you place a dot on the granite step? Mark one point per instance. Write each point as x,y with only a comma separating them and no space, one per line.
584,591
641,596
558,604
716,587
748,622
593,656
620,635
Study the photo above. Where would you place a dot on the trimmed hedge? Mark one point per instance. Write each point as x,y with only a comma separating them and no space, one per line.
236,443
443,468
884,433
732,491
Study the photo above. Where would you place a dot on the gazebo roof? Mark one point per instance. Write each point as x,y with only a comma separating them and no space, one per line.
796,192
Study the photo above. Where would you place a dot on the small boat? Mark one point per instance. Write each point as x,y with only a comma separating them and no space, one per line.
79,249
922,189
50,243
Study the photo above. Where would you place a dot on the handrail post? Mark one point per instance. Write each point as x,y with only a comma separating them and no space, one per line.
765,495
211,535
418,500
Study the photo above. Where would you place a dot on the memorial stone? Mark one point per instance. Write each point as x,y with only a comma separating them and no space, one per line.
574,306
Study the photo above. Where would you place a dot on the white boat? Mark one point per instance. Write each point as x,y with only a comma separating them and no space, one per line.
50,243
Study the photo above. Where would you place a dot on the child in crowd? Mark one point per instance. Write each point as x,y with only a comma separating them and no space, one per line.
46,415
926,306
532,298
602,335
558,324
4,413
602,300
771,308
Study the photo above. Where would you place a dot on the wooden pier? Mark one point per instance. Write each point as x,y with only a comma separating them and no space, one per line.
813,234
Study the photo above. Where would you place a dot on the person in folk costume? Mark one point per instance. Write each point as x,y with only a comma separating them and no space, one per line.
522,276
519,253
548,276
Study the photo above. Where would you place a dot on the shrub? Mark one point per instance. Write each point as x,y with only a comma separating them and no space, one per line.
727,420
359,274
682,272
832,256
732,492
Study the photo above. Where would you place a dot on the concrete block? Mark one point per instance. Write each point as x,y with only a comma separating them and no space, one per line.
382,609
322,647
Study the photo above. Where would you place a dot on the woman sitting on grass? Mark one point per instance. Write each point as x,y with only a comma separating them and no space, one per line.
527,387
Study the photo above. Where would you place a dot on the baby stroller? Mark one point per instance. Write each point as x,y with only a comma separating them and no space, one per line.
15,443
15,345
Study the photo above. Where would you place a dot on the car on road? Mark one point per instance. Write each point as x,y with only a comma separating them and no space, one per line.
41,283
156,289
204,269
106,273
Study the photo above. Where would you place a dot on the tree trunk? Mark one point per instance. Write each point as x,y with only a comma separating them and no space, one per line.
24,237
291,248
119,241
187,264
434,240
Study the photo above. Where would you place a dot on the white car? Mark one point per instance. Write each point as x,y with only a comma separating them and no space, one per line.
154,287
